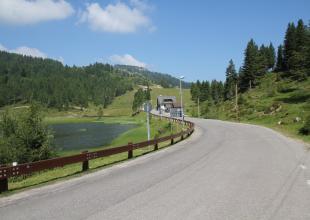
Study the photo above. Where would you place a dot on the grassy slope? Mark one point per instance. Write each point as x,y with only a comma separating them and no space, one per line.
270,103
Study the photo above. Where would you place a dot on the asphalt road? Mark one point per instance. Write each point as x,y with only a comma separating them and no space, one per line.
224,171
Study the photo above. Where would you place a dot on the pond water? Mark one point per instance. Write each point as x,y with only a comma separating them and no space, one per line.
75,136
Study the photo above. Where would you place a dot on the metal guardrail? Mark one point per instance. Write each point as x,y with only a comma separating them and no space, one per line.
7,172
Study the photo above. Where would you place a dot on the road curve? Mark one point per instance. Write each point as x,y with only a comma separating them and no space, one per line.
224,171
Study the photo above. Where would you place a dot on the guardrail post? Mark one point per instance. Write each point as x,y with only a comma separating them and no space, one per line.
85,165
4,183
182,137
172,141
130,152
156,145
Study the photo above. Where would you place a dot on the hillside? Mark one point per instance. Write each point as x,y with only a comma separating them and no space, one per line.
25,79
280,104
165,80
122,105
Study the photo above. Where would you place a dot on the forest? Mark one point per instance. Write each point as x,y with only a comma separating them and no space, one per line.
26,79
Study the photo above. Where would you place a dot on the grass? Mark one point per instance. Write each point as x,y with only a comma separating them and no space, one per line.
274,104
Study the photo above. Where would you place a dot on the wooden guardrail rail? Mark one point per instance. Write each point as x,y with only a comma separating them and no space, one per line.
7,172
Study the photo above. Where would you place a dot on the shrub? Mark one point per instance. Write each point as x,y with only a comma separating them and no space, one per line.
24,137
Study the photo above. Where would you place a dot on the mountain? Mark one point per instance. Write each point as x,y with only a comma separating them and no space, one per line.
25,79
165,80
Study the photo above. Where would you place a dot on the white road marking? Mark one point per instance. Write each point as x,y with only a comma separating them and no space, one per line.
308,182
302,166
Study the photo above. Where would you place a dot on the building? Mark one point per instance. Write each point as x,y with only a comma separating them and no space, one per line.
165,102
176,110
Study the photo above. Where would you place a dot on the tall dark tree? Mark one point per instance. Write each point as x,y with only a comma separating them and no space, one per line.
271,56
301,36
231,80
195,91
205,91
250,67
289,44
217,91
280,60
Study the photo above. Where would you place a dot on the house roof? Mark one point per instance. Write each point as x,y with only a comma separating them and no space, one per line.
161,98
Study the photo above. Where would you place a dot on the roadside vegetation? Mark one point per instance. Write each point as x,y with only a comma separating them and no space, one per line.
159,128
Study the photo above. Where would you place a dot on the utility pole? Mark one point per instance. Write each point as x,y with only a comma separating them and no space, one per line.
181,77
198,108
148,120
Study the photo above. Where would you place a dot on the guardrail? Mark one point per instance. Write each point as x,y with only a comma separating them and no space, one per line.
7,172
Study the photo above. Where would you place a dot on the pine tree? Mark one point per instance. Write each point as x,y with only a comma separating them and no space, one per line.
301,36
289,44
205,91
280,61
148,93
195,91
231,80
250,67
214,91
271,56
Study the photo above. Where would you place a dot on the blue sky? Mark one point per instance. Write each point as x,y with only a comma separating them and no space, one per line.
191,38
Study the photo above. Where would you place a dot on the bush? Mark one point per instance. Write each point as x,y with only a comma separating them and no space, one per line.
305,130
24,137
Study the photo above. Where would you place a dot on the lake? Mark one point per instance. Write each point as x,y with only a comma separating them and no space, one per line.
76,136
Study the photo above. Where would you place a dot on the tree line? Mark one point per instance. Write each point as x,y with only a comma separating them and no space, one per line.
292,61
26,79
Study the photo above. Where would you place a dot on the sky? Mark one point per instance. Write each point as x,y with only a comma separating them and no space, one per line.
192,38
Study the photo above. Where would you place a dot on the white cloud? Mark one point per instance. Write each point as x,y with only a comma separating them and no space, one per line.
28,51
127,59
118,18
23,12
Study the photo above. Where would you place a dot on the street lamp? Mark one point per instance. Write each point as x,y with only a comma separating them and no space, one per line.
181,77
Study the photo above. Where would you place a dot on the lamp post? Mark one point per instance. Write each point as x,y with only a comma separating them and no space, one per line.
182,115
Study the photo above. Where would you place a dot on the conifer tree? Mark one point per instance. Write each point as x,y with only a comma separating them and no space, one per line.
195,91
271,56
231,80
289,44
250,67
280,61
205,91
301,36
